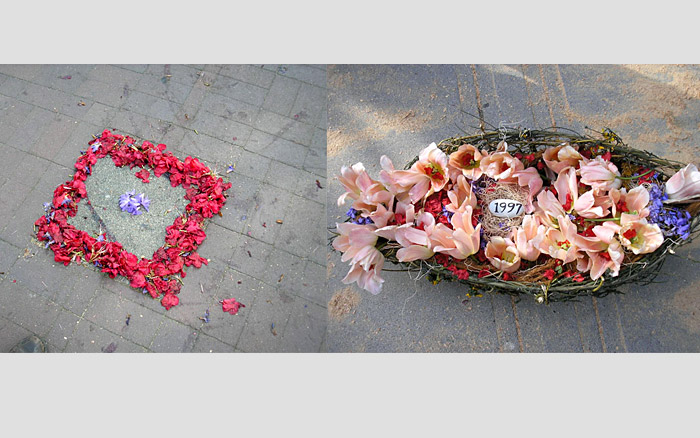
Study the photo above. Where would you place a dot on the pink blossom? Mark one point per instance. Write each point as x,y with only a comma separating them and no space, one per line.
427,175
460,196
525,237
684,185
600,174
640,237
501,165
503,254
465,161
461,241
531,179
366,192
635,203
357,243
560,243
588,205
368,277
560,157
548,209
416,243
597,262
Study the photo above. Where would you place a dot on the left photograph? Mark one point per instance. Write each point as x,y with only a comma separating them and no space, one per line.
163,208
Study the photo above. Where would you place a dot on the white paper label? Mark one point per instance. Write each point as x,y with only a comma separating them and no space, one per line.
505,208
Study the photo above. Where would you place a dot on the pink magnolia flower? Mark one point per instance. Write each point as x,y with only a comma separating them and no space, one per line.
427,175
531,179
684,185
465,161
600,174
403,210
461,241
641,237
416,241
503,254
633,204
460,196
367,276
560,157
588,205
560,243
501,165
526,239
597,262
366,192
548,209
357,243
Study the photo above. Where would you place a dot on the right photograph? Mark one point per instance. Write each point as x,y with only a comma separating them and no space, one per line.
513,208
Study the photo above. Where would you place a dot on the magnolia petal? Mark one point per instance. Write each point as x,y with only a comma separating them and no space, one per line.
414,252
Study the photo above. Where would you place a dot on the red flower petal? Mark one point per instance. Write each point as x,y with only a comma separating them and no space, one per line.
231,306
143,175
169,300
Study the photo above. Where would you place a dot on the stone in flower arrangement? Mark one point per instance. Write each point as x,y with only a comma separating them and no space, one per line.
146,230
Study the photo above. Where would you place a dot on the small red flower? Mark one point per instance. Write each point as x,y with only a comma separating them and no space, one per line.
231,306
578,278
442,259
507,276
629,234
483,273
549,274
462,274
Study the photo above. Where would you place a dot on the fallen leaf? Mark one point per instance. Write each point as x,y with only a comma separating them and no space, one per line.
279,221
318,184
281,277
65,77
111,348
81,103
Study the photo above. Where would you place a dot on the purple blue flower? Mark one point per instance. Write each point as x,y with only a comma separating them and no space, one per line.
130,202
672,221
357,217
95,146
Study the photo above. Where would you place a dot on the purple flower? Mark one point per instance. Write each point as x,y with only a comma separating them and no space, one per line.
357,218
96,145
230,169
131,203
672,221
